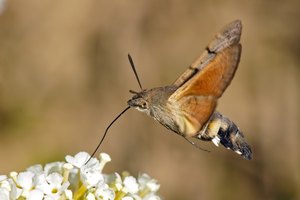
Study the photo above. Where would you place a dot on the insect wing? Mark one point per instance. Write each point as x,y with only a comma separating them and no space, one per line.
206,79
229,35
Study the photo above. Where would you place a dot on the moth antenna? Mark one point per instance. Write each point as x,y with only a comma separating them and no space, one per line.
195,145
134,70
102,139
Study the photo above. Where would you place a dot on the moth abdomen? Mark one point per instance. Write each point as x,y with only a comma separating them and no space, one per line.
221,130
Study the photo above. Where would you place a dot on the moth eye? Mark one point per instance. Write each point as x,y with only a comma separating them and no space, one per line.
144,105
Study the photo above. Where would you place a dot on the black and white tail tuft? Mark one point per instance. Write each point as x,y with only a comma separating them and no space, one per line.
221,130
232,138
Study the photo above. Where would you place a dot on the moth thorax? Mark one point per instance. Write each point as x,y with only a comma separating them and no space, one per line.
164,115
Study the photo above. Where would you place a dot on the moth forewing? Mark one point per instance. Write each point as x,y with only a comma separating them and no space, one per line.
214,78
229,35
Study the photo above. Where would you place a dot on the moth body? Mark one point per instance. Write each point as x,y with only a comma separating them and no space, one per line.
188,106
218,129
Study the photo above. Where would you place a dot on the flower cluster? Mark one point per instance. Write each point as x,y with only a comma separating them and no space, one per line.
76,179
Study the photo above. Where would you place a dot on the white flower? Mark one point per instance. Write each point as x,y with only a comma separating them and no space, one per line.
78,160
76,179
53,167
91,177
131,184
152,197
115,180
25,180
3,177
68,194
53,186
10,185
90,196
4,187
35,195
25,184
4,194
90,173
146,181
36,169
104,158
105,193
8,189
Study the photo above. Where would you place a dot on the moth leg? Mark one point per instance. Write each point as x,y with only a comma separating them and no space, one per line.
195,145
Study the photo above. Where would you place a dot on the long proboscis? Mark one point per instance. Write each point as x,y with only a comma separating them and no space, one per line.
102,139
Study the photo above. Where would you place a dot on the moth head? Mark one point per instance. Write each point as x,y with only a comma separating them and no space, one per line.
140,101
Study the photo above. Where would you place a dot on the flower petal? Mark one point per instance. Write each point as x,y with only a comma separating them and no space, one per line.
24,179
35,195
131,184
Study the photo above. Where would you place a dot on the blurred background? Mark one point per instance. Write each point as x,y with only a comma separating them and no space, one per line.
64,76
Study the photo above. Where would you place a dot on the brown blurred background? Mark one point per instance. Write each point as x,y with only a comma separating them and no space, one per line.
64,75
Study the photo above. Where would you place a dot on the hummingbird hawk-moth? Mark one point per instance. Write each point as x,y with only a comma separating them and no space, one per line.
188,105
